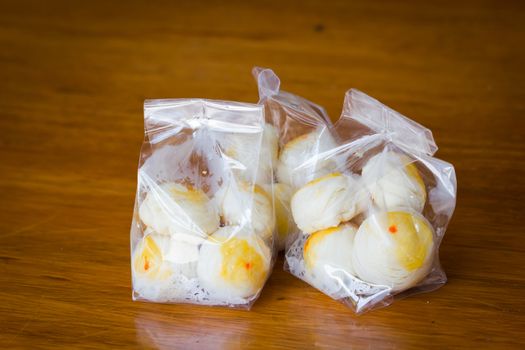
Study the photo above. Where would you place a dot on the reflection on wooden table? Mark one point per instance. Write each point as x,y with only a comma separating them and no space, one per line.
74,77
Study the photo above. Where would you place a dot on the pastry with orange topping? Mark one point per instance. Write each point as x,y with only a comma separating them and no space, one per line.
326,202
241,203
173,208
301,149
328,250
394,249
233,263
394,182
157,260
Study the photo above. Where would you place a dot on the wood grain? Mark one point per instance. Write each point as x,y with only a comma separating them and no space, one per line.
74,76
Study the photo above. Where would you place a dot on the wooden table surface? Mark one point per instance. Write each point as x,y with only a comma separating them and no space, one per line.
73,78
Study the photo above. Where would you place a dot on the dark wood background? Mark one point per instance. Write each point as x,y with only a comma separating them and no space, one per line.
73,77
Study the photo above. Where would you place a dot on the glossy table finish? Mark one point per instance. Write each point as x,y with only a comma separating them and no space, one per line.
73,79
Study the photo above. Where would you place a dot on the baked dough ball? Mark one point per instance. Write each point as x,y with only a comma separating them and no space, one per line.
234,262
247,205
158,259
394,182
326,202
329,249
301,149
394,249
173,208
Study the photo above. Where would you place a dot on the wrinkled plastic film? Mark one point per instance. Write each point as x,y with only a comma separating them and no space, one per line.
202,231
369,231
361,112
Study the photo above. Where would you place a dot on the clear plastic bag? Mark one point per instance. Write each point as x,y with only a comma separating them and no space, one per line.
370,230
203,224
304,129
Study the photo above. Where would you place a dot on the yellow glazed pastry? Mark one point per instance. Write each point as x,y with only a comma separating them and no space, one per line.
394,182
327,250
174,208
157,260
395,249
233,263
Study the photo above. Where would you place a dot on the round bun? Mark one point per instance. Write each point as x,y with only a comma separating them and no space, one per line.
174,208
158,259
394,249
233,263
328,250
301,149
326,202
243,204
394,182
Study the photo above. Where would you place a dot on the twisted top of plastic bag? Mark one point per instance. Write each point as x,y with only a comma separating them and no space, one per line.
269,86
395,127
268,83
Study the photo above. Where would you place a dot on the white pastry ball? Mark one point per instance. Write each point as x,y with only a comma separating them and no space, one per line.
394,182
174,208
326,202
158,259
394,249
327,250
253,157
246,205
233,263
301,149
